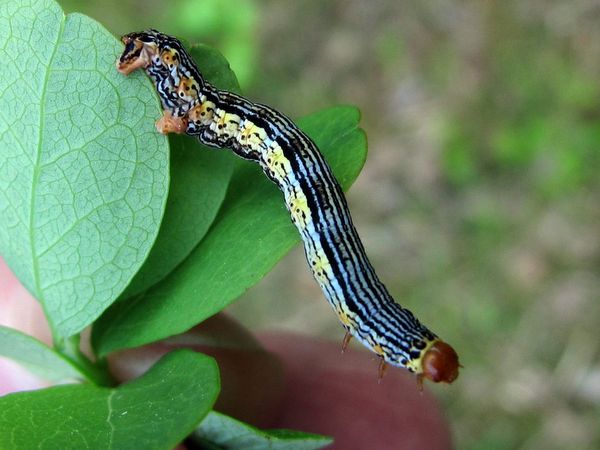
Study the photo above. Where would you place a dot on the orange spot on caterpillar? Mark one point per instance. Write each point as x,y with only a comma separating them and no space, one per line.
185,85
200,113
440,364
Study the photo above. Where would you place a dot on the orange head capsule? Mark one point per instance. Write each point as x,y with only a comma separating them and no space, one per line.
440,363
139,50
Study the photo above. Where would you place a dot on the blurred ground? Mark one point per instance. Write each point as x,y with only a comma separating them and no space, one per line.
478,204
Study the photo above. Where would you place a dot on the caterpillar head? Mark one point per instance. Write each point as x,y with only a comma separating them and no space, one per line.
439,363
140,49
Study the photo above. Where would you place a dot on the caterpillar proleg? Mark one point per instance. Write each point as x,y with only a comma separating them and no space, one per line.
312,195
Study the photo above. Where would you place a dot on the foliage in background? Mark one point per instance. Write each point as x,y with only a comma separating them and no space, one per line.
228,26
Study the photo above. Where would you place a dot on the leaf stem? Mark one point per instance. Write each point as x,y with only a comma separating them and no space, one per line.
95,372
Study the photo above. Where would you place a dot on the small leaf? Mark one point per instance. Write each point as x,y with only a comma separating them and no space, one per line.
229,434
199,179
251,233
155,411
83,173
37,356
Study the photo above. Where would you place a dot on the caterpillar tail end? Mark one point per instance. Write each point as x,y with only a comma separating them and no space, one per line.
440,364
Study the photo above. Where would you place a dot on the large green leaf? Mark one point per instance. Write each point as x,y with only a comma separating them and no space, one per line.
251,233
227,433
199,180
83,173
155,411
37,356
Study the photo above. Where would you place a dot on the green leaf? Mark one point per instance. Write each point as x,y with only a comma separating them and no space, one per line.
155,411
251,233
199,179
83,173
37,356
214,67
227,433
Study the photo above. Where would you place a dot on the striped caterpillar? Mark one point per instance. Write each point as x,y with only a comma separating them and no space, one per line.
313,197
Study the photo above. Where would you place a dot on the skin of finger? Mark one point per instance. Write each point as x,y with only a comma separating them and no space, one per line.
251,378
19,310
339,395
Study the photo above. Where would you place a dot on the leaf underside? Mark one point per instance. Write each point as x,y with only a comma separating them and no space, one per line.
37,356
83,174
230,434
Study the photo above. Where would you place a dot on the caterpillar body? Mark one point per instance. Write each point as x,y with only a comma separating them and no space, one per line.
313,197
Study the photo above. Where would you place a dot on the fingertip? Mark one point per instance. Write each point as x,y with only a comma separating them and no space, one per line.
339,395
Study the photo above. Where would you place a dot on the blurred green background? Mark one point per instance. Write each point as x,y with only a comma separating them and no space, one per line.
478,204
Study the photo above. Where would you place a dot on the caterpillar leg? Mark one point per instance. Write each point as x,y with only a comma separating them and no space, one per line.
381,371
346,340
171,124
420,378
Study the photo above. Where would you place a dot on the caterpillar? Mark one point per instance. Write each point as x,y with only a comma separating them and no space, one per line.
313,197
